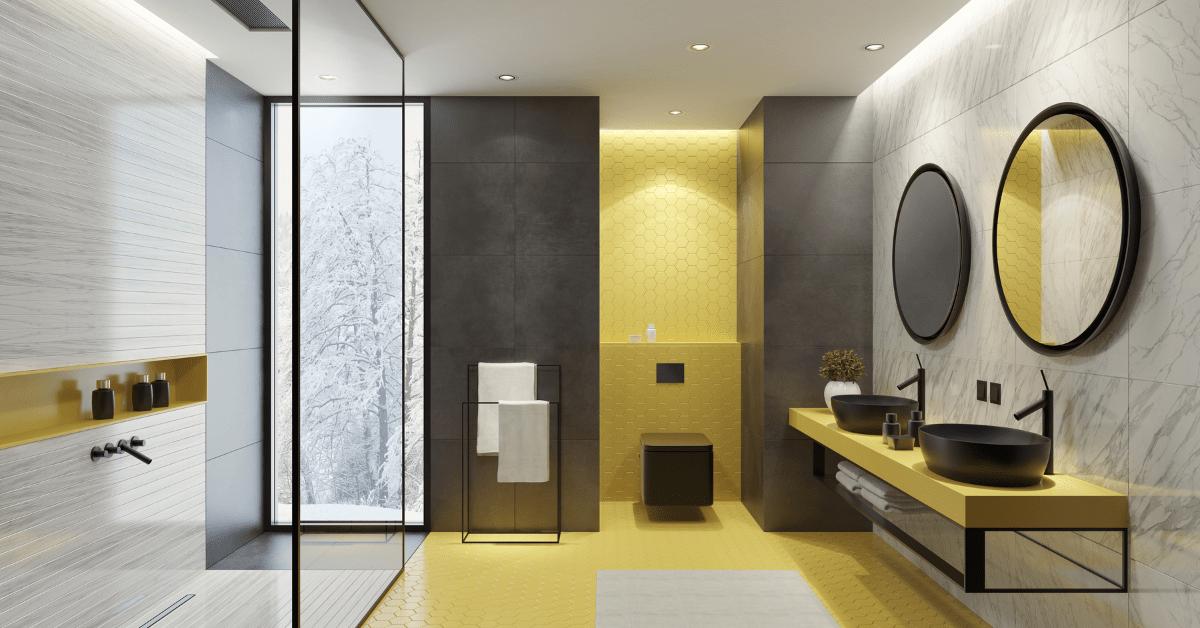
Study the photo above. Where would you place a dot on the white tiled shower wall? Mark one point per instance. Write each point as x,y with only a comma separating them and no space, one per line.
1129,403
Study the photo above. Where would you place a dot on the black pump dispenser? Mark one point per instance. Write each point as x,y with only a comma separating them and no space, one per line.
143,394
104,401
162,391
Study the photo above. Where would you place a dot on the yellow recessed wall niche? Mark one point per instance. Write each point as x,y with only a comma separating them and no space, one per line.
668,257
668,235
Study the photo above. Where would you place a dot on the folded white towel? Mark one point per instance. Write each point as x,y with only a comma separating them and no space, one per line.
881,488
851,469
524,442
510,382
848,482
890,506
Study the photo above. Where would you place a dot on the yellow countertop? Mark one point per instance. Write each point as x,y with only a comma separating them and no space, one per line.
1060,501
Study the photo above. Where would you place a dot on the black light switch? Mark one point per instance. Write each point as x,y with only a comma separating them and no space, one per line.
981,390
670,373
996,393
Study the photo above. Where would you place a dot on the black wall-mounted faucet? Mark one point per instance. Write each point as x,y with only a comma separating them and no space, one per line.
130,447
919,379
1046,405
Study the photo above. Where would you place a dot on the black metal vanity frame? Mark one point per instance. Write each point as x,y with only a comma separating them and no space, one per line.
974,544
466,464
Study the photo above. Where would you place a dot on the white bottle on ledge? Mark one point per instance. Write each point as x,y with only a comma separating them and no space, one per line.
651,333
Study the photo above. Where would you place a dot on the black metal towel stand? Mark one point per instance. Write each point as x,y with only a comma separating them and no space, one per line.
468,451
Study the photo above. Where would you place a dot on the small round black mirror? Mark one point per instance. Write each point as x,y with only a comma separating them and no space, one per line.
931,254
1068,220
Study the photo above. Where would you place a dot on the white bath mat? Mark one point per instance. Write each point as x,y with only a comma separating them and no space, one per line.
699,599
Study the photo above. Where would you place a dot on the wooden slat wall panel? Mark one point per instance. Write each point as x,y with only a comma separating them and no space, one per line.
80,539
102,186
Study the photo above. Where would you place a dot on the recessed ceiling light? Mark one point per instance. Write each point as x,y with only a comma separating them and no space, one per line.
507,77
873,47
699,47
327,77
675,112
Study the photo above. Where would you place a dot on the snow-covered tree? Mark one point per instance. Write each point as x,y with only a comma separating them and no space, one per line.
352,326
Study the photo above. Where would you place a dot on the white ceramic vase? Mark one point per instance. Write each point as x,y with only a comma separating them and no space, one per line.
834,388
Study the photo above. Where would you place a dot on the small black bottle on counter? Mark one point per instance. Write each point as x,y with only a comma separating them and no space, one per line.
104,401
914,426
162,391
143,394
891,427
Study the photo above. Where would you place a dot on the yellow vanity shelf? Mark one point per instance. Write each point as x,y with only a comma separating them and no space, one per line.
1060,502
42,404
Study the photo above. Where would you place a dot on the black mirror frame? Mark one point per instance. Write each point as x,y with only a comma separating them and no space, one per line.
1131,228
964,268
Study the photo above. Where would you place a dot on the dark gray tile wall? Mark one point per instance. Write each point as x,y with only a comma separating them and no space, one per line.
750,310
814,153
236,320
514,226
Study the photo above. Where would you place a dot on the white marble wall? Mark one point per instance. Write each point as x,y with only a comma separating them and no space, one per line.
1129,403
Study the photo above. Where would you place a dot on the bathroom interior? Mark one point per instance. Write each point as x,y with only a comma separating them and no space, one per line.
603,314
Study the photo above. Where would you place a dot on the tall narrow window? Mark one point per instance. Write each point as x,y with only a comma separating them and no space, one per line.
361,314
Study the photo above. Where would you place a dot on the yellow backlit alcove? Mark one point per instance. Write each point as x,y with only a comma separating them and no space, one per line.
41,404
668,256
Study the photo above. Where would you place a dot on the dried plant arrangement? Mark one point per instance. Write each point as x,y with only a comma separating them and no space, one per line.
841,365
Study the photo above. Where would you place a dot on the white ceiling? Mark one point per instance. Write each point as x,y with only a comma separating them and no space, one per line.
631,53
336,38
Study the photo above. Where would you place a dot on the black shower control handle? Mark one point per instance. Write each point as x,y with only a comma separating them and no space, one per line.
136,442
99,452
124,446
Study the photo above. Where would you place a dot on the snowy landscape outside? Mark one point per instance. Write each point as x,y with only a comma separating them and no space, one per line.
362,315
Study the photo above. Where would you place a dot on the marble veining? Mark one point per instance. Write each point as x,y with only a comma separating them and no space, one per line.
1164,55
1128,401
1159,600
1164,483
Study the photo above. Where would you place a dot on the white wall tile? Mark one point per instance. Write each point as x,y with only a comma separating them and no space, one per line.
1165,109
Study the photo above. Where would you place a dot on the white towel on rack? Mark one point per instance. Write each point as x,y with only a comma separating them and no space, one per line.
511,382
848,482
888,505
524,442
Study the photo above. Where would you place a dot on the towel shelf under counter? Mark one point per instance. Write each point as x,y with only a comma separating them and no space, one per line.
1061,503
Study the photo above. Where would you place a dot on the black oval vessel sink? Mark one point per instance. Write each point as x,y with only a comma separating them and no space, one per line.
863,414
987,455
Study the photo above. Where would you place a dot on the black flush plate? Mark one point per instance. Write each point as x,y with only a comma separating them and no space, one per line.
996,393
670,373
981,390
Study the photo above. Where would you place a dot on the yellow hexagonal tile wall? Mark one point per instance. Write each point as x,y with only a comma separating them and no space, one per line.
708,402
1019,236
668,235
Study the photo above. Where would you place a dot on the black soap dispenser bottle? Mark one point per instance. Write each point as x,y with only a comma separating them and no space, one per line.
914,427
143,394
162,391
891,427
104,401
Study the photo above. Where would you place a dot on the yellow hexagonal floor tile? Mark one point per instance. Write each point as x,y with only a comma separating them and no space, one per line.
860,579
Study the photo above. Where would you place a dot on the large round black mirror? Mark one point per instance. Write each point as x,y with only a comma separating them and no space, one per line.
1068,219
931,254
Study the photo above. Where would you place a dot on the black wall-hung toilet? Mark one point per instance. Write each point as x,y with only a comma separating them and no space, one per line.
677,469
